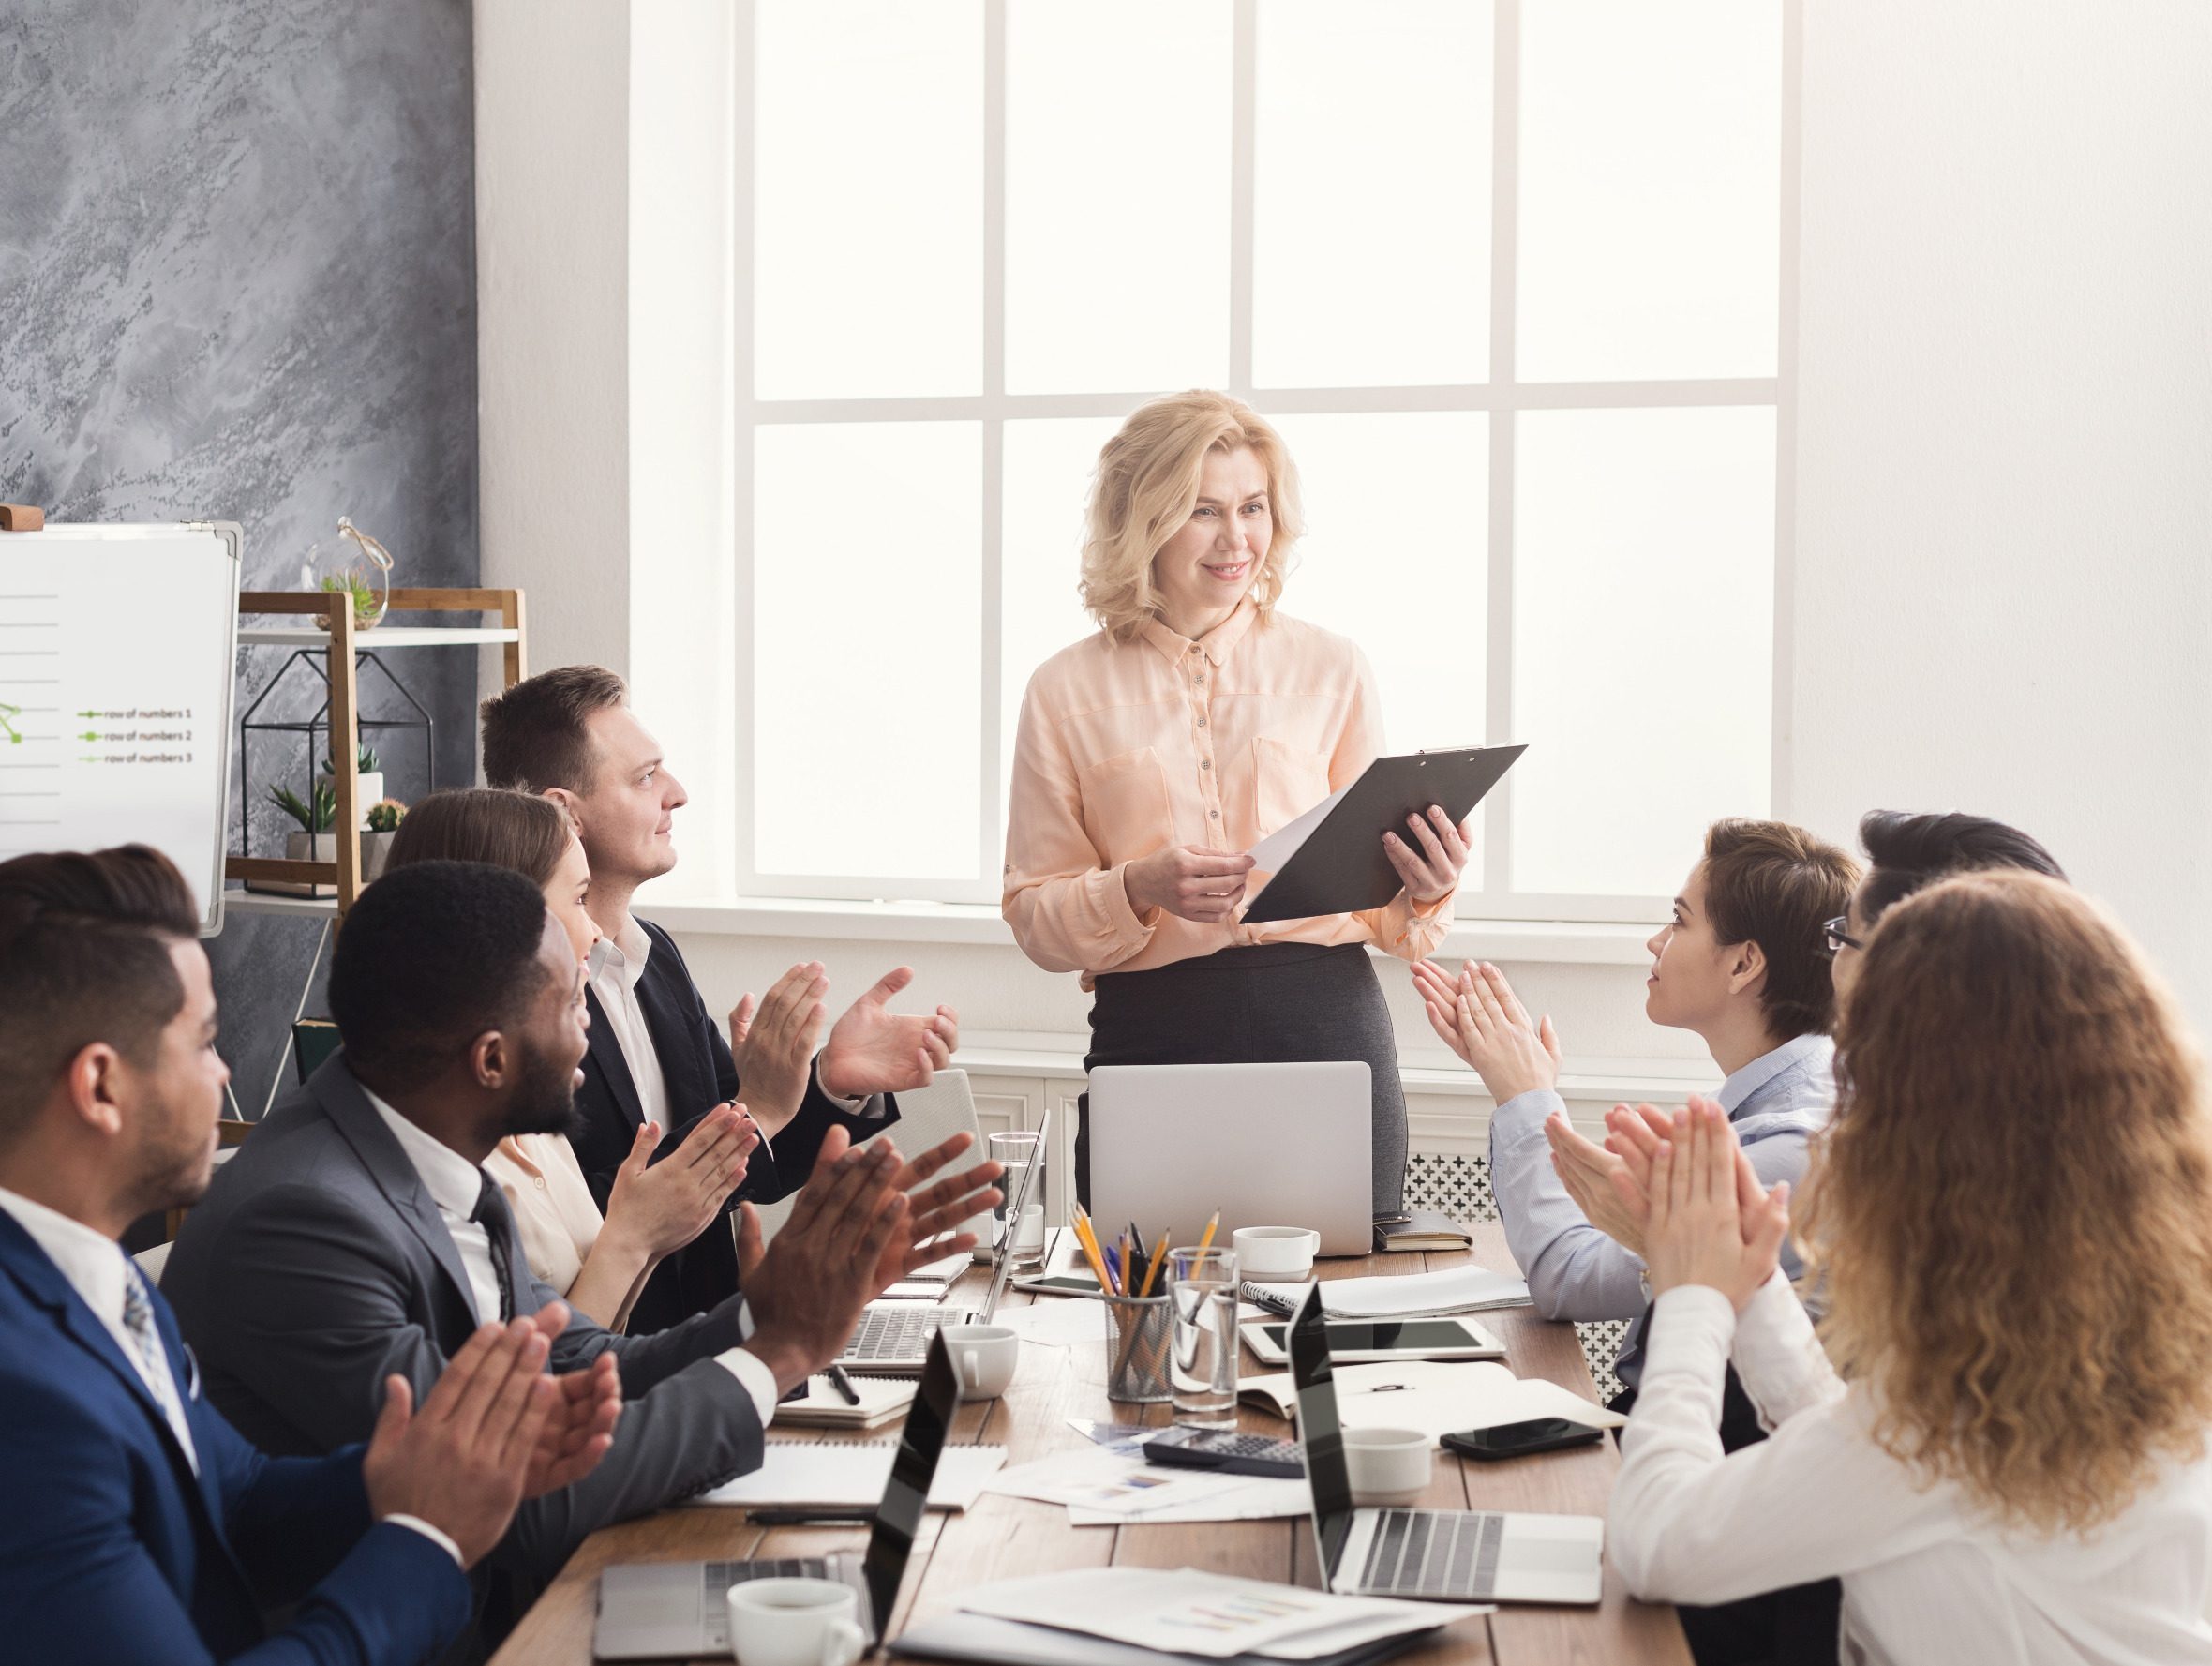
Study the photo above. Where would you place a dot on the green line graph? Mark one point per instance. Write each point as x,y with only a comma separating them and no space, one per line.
8,715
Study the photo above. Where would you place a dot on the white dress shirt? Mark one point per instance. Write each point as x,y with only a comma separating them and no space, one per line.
1927,1577
454,1184
616,965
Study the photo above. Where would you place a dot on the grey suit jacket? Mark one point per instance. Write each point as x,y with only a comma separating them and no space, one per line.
318,1265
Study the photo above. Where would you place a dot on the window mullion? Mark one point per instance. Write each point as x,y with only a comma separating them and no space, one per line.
995,743
1243,140
1498,660
744,131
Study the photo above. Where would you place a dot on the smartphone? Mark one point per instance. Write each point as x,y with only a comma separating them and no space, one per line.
1060,1283
1517,1440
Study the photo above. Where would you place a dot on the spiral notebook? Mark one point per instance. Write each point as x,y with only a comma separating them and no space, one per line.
828,1475
882,1399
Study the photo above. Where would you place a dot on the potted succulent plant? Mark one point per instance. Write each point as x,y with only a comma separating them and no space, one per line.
383,821
369,773
313,842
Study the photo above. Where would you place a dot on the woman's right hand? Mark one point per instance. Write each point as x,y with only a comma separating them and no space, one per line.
1189,881
661,1207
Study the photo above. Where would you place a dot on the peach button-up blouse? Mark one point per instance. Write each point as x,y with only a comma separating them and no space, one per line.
1126,748
554,1215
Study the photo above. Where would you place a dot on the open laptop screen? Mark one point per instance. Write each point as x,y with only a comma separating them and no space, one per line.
1320,1433
907,1495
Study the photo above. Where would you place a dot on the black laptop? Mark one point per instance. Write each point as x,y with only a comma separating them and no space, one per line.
657,1610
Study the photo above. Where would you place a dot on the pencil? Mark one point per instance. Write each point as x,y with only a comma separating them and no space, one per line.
1084,1236
1127,1267
1213,1226
1152,1267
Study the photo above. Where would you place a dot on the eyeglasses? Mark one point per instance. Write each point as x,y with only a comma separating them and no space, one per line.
1838,938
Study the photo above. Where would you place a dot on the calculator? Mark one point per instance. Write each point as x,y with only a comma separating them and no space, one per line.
1227,1452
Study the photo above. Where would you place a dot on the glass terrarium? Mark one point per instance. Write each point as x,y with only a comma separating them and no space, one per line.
350,563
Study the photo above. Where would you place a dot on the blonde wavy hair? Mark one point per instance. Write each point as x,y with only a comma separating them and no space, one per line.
1147,486
2013,1208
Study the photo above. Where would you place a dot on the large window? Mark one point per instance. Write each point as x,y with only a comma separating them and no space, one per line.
1511,279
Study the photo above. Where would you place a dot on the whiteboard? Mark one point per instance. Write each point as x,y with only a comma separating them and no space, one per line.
116,651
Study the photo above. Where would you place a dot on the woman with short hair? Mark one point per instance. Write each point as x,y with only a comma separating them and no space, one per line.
598,1264
1998,1437
1152,755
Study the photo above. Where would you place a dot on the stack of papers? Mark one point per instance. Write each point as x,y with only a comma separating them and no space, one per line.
928,1283
1437,1398
1188,1612
1412,1294
828,1475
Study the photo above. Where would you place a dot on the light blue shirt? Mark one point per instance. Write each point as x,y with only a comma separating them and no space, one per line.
1776,1104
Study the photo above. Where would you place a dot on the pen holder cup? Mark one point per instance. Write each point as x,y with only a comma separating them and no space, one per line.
1139,1336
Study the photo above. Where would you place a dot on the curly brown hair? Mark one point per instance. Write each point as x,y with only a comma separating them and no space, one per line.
2013,1208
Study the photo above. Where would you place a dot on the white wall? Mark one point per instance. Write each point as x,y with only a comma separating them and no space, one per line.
552,353
2004,459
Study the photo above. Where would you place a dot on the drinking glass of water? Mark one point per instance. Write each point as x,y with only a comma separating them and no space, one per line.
1025,1237
1202,1285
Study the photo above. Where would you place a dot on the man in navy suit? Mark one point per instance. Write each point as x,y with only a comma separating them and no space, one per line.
656,1054
139,1526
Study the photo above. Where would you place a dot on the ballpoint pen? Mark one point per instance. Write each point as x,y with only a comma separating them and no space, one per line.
844,1385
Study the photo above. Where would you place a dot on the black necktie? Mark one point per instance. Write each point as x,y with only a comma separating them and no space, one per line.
492,1214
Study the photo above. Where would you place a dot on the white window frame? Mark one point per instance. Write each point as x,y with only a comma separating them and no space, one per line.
1503,397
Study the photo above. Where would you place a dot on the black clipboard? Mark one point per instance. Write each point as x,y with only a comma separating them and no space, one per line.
1341,868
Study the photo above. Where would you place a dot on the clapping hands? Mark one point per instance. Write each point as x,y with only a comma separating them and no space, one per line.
1479,1017
1704,1217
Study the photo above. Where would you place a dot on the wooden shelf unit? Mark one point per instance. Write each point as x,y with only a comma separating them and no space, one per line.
335,627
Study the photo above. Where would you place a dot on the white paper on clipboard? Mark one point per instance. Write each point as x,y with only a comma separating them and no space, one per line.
1271,852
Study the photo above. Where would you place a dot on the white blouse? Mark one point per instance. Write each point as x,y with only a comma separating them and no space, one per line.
1925,1576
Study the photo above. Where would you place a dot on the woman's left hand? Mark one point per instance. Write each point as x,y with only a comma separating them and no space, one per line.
1430,857
1699,1231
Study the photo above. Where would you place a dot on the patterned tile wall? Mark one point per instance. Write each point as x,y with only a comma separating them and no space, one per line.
1459,1186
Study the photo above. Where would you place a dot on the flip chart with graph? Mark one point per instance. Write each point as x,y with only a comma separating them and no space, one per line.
116,652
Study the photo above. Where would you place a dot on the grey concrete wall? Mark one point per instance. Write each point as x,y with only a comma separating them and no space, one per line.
237,280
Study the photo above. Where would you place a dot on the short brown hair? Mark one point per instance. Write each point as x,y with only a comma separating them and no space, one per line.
1775,885
84,957
2011,1213
509,829
534,735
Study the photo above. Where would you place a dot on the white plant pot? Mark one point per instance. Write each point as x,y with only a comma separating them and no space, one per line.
372,791
376,848
300,847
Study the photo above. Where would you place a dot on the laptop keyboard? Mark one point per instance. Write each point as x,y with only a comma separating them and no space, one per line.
717,1577
1434,1553
897,1332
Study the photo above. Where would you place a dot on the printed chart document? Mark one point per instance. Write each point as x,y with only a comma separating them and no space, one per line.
1436,1397
802,1474
1104,1485
1190,1612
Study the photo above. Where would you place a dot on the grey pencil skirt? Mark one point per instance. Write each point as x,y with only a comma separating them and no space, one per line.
1267,1003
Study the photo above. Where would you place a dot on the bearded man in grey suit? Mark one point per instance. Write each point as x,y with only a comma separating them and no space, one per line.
355,1234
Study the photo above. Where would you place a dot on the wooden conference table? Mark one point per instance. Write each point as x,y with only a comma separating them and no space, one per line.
1005,1538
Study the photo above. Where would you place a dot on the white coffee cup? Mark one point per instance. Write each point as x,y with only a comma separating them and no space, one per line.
1276,1254
1387,1466
795,1622
983,1358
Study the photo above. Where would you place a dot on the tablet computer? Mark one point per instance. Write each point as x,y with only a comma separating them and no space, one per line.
1351,1340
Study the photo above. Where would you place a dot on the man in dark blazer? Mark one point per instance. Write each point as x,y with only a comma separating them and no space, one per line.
139,1525
656,1054
355,1236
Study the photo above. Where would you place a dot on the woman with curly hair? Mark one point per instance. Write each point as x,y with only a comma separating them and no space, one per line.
1998,1437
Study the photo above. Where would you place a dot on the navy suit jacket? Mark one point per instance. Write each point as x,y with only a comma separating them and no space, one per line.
112,1550
697,1065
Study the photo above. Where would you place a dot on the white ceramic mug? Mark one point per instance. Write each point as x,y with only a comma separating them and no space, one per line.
1387,1466
983,1358
795,1622
1276,1254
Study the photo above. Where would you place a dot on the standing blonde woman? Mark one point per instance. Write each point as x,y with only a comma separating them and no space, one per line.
597,1263
1152,755
2001,1447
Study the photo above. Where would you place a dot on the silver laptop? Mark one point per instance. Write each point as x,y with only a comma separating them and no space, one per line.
1446,1555
1268,1145
655,1611
894,1337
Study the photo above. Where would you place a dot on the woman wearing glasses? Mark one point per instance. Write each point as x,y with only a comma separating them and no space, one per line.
1152,755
